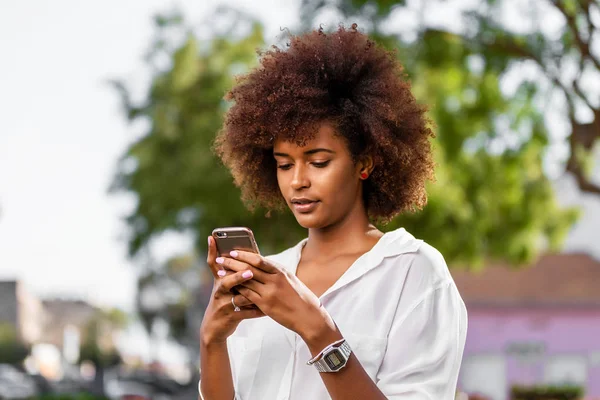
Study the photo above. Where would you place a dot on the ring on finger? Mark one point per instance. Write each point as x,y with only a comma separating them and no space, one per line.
235,308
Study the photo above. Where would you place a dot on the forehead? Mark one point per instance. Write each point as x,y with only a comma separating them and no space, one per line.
325,137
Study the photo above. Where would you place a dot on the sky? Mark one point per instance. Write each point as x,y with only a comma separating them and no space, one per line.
62,132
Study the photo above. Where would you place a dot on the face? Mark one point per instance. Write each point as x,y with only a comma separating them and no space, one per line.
319,181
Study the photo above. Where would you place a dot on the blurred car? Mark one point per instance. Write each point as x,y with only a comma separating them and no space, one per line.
141,385
15,384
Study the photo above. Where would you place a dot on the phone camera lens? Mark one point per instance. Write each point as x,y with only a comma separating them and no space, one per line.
221,234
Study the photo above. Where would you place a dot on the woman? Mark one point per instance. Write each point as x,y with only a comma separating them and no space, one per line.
329,128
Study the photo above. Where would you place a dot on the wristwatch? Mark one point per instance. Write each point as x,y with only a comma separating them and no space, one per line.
333,357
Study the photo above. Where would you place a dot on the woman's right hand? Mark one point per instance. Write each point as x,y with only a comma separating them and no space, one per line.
220,319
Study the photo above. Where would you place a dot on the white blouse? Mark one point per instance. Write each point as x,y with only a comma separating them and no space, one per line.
398,308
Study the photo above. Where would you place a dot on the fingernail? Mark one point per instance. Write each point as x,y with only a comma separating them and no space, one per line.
221,273
220,260
209,240
233,253
247,274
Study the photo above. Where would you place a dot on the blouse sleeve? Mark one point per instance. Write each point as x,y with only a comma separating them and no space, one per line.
425,346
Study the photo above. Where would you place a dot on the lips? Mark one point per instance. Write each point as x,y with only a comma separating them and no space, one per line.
304,205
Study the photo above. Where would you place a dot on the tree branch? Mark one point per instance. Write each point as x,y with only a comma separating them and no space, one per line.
579,92
587,8
581,134
514,49
577,138
584,47
574,167
573,164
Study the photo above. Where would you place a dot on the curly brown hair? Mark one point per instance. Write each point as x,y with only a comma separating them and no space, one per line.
344,78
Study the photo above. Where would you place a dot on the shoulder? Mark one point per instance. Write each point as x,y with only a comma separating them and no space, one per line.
422,265
430,263
428,290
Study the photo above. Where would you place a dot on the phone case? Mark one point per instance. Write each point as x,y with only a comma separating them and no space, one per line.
234,238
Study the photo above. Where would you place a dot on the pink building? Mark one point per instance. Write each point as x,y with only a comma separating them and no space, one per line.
530,326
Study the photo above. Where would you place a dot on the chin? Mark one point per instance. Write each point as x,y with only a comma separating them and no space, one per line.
306,221
310,221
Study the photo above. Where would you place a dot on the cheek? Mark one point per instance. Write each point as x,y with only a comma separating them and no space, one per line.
338,183
282,182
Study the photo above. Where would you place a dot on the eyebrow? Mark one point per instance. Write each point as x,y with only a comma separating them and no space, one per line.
307,152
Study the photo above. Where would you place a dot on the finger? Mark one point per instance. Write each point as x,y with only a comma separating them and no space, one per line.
250,294
255,260
223,272
211,256
229,281
241,301
249,313
252,285
235,265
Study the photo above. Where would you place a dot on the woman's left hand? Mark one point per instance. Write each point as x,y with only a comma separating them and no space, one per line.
278,293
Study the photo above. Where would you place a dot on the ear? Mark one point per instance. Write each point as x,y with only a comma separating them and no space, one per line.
365,166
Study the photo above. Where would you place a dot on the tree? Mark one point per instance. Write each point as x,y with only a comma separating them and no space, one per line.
492,199
565,59
179,183
12,349
176,293
492,191
98,347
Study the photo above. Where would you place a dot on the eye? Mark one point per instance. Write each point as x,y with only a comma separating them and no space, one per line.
284,167
321,164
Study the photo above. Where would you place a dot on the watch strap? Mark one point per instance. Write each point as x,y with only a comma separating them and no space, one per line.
319,360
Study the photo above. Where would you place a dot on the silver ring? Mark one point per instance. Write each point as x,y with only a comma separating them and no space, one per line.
235,308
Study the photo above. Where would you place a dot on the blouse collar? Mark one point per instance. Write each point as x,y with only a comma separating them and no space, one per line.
391,244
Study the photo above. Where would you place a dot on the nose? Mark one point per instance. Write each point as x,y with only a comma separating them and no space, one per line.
300,178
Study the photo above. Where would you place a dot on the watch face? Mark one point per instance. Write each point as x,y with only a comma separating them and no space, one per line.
335,360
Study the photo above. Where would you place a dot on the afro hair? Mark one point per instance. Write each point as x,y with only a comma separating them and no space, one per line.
343,78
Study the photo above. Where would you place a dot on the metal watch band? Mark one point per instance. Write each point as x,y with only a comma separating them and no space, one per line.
329,346
322,366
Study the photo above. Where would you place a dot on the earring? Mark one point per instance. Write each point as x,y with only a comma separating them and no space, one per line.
364,175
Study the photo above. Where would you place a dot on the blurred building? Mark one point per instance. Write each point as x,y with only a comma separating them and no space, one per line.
66,315
63,323
531,326
21,310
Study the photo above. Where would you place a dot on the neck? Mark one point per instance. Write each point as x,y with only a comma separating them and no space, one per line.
354,233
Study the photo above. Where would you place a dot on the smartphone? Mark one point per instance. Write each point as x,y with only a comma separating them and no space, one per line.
234,238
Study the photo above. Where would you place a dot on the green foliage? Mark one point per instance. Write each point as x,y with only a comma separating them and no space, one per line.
546,393
171,308
491,192
382,7
12,349
179,182
115,317
491,199
92,351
